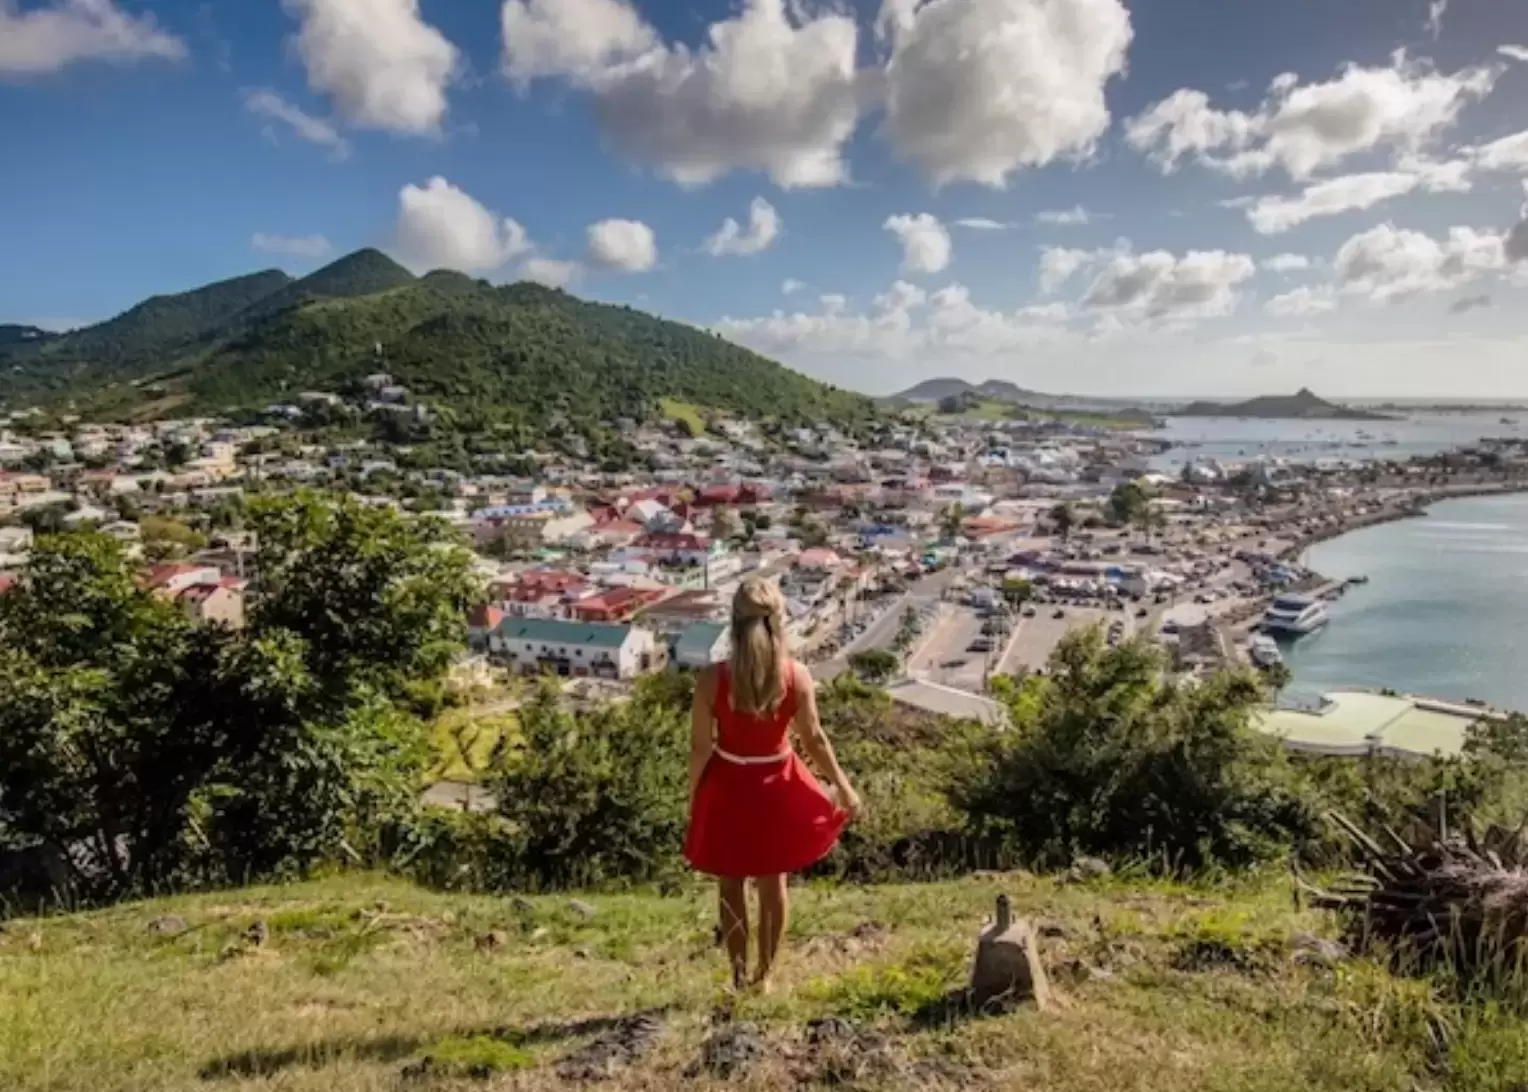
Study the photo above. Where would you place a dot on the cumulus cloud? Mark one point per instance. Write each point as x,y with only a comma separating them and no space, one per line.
267,104
1385,263
1059,264
441,227
1303,129
1286,263
1510,153
770,89
552,272
625,245
763,227
925,242
1469,303
790,286
1514,52
979,89
296,246
1273,215
982,223
1064,217
1162,287
47,39
1305,300
381,63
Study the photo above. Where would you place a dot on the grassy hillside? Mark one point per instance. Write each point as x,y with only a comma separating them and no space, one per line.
524,357
366,983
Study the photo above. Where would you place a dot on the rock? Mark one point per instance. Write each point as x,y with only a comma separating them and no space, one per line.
168,925
1007,963
492,940
581,908
257,934
1088,868
1318,951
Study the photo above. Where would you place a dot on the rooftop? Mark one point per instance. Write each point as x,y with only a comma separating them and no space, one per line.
1358,722
565,633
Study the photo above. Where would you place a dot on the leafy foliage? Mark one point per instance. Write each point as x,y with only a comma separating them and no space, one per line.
1113,760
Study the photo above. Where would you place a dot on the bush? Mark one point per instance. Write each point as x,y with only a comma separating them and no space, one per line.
1113,760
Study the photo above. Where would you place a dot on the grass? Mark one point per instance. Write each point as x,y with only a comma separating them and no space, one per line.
463,742
675,410
368,983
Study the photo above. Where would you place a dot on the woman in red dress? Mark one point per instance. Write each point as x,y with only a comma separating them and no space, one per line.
756,811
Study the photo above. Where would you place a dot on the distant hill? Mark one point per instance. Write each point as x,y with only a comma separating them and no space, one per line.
1302,405
932,390
522,358
12,336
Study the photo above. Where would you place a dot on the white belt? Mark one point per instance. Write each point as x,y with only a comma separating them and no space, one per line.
750,760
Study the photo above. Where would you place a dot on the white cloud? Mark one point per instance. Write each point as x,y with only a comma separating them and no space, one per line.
981,223
1436,10
47,39
1058,265
833,303
1064,217
763,227
1306,128
1510,153
1305,300
575,38
1160,286
925,242
901,296
267,104
979,89
790,286
296,246
551,272
384,66
1515,52
625,245
440,226
1273,215
1286,263
769,90
1386,263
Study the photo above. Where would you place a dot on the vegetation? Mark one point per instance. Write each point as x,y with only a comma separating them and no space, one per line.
517,364
875,664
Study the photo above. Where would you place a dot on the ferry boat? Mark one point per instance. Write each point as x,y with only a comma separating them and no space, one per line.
1294,615
1264,651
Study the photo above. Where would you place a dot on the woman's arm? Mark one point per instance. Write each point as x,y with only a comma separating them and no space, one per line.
702,722
815,741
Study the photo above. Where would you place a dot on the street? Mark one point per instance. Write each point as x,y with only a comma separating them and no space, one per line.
924,591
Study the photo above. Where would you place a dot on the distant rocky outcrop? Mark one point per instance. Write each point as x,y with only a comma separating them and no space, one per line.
1303,405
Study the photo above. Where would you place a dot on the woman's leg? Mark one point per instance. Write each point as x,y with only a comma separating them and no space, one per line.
734,920
774,915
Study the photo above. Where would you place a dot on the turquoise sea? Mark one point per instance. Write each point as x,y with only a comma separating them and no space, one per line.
1445,612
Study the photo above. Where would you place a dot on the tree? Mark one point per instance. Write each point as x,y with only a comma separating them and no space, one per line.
952,520
165,538
875,664
1017,592
724,523
1064,519
1128,504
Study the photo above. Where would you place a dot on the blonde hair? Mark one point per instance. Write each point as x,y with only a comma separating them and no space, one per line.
758,647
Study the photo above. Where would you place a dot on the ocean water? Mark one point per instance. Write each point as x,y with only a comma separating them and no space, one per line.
1233,439
1445,612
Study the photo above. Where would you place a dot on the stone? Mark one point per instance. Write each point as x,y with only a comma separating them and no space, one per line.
1319,951
168,925
492,940
1007,964
581,908
1088,868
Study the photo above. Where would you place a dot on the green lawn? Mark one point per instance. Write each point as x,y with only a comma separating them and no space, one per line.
369,983
463,742
675,410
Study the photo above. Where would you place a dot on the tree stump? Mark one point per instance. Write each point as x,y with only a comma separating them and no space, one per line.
1007,965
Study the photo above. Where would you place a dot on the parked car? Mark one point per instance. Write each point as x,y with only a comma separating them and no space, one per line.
1060,613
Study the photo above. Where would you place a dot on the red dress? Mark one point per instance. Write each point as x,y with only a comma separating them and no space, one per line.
764,816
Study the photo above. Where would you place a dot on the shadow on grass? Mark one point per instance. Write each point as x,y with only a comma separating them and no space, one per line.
958,1006
392,1048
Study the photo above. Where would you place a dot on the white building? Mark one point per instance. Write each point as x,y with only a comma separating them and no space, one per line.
535,646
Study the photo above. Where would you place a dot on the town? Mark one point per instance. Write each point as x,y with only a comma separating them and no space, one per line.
949,552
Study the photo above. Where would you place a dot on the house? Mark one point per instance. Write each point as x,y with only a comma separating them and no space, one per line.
818,559
172,578
481,622
673,549
546,646
614,604
700,644
221,603
544,593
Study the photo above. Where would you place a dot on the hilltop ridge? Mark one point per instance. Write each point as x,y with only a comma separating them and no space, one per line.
1304,404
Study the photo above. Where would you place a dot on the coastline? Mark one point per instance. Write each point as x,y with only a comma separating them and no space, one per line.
1414,508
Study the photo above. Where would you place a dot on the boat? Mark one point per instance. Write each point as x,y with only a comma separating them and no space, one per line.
1294,616
1264,651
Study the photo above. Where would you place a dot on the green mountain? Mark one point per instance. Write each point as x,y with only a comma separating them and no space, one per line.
1302,405
522,359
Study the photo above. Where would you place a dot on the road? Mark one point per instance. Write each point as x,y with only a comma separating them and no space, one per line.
924,591
947,645
1039,636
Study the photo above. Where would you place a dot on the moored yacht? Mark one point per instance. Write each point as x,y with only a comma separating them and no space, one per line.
1294,615
1264,651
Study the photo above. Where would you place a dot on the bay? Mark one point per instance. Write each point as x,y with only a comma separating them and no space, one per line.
1444,614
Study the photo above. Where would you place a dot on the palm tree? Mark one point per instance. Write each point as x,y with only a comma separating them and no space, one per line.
1063,519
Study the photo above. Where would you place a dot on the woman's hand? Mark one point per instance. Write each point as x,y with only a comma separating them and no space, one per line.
848,799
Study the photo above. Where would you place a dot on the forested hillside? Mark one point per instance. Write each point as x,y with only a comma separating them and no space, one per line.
522,357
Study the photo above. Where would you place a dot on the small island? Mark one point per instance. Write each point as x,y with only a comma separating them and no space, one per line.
1304,405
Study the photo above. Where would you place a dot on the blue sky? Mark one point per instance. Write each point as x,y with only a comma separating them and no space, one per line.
1149,197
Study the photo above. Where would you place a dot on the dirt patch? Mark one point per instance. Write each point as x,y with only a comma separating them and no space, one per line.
613,1050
